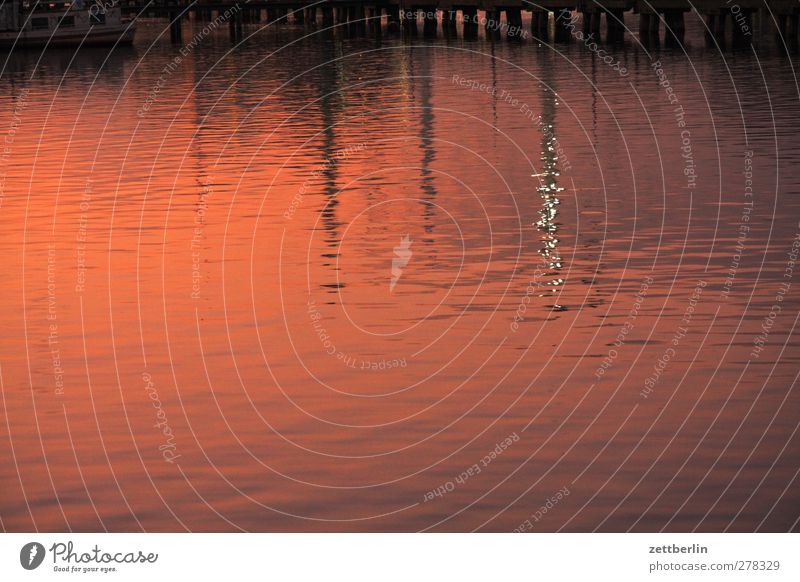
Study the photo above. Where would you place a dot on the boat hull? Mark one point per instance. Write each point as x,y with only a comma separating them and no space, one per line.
108,35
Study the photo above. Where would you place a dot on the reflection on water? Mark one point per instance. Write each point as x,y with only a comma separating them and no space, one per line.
360,283
548,183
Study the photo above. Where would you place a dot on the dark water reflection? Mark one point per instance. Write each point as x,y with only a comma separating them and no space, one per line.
307,282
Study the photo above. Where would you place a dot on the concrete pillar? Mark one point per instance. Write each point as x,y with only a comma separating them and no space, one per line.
311,15
720,32
644,25
373,17
470,18
393,17
649,24
449,22
410,22
356,22
235,26
615,29
791,28
591,23
540,21
675,28
327,15
675,22
492,23
586,22
711,26
561,27
781,24
742,27
430,23
175,29
514,23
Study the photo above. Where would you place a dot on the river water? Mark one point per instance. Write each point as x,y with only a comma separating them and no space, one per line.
316,281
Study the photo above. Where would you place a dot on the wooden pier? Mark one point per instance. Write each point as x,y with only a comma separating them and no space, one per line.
746,20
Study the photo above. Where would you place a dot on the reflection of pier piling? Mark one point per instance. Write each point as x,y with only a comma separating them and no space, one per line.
737,22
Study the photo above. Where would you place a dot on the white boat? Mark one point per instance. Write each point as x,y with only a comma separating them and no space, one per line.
63,23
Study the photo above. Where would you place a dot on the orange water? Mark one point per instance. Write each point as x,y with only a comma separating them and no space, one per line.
220,265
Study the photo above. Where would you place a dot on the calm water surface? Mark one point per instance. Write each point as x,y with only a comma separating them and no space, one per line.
338,283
